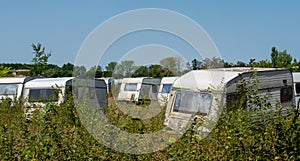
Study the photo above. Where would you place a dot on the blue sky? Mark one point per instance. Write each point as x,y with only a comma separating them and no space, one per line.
240,29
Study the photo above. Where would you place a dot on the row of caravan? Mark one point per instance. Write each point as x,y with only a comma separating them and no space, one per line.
38,91
143,90
196,92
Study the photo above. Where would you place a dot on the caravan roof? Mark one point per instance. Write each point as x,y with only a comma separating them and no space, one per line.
14,79
48,82
132,80
202,79
170,80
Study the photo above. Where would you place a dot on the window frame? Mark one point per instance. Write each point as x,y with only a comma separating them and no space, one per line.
126,88
44,95
173,110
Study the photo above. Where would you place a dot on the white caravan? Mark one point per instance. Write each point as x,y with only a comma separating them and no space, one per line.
139,90
12,87
296,78
40,91
165,89
199,93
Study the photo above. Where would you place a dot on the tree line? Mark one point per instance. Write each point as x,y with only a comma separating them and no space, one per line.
170,66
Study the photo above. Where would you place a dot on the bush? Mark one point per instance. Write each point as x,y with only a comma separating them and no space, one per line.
58,134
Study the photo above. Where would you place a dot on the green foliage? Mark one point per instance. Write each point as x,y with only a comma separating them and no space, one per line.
40,60
175,65
196,65
5,71
58,134
125,69
141,71
111,66
94,72
280,59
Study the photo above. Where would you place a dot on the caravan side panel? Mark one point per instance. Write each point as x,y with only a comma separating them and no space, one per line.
276,84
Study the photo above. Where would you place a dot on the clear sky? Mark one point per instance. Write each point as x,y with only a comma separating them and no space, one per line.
240,29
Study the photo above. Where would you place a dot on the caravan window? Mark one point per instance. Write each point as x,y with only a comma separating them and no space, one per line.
42,95
166,88
8,89
192,102
130,87
286,94
297,86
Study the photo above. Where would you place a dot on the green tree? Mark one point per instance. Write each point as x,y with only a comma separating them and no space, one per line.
252,63
110,68
295,66
141,71
280,59
52,70
240,64
124,69
40,60
264,64
215,62
5,71
94,72
157,71
174,64
67,70
79,71
196,65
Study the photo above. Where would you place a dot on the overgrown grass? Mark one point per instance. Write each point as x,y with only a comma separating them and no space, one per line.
58,134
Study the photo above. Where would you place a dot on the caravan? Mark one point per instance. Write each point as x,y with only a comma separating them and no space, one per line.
12,87
109,83
200,92
139,90
165,89
296,78
56,90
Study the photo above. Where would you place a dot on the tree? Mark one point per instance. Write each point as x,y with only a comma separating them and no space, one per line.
79,71
240,64
264,64
40,60
157,71
99,72
196,65
173,64
124,69
295,66
52,70
111,66
5,71
228,65
67,70
214,62
141,71
280,59
252,63
94,72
